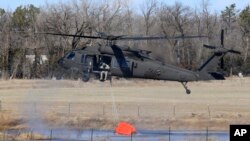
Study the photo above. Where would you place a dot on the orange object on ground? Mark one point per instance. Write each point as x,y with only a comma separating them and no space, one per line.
124,128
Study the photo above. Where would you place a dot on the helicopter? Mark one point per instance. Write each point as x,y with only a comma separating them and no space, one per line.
124,61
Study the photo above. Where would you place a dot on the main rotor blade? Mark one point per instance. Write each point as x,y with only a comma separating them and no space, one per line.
210,47
222,38
159,37
123,37
69,35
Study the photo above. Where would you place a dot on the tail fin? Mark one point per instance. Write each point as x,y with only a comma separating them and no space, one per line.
208,71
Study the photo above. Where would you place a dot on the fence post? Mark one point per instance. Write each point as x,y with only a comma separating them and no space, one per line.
51,134
92,132
103,109
31,134
4,134
138,110
209,112
169,133
34,107
69,109
4,138
207,134
174,111
0,106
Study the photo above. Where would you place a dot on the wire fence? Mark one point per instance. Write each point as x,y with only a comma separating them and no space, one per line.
138,111
108,135
125,110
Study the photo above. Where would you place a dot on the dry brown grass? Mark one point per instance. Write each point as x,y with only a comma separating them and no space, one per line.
161,104
23,136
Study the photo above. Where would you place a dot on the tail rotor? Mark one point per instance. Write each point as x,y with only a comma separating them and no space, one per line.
221,50
222,38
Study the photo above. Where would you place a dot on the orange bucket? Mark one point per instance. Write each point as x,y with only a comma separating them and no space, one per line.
124,128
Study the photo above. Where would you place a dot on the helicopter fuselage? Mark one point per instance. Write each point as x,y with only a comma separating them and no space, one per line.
129,62
87,62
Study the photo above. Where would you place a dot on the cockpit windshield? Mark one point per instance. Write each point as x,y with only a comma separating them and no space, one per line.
71,56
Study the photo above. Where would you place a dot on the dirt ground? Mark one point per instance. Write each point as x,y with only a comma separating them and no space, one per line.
148,104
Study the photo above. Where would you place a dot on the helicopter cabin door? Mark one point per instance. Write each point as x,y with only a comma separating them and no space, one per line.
87,66
122,67
87,62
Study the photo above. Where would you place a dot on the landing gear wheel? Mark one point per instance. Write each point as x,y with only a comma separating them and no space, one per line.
188,91
85,77
186,88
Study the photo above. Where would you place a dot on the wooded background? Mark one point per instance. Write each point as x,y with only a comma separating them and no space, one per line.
117,17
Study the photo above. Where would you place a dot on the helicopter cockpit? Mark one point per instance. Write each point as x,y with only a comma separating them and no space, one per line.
84,63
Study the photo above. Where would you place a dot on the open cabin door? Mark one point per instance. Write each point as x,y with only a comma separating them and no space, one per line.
87,62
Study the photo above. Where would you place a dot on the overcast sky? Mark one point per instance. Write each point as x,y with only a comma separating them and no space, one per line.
215,5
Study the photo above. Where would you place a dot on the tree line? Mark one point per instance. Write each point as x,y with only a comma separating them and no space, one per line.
118,17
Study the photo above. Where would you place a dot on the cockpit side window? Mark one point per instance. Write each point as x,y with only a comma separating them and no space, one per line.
71,56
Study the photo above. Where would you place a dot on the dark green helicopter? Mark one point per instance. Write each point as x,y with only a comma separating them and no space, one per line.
127,62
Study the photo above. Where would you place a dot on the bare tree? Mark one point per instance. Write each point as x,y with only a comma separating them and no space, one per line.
148,10
82,22
58,19
5,45
177,19
107,15
206,24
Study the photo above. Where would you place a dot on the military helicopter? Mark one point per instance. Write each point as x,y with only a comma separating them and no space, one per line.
127,62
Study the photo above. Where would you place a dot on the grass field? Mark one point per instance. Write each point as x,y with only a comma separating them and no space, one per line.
148,104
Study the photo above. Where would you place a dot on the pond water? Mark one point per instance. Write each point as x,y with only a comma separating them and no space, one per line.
109,135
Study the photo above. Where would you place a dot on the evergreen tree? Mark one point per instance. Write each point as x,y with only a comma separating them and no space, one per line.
24,17
245,20
2,11
229,15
